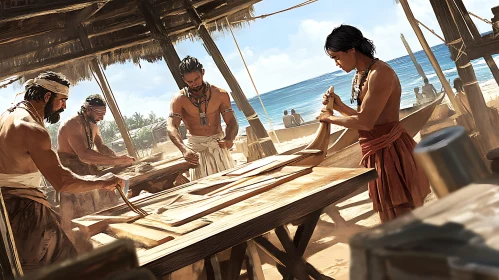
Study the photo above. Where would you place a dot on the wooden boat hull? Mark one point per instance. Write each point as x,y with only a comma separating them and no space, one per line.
351,155
347,138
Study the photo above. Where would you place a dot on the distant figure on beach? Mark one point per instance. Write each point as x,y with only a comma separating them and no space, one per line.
419,97
428,90
401,186
288,120
298,119
202,106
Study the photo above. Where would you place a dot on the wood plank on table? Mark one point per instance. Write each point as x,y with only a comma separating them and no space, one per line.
257,215
183,215
144,235
90,228
156,222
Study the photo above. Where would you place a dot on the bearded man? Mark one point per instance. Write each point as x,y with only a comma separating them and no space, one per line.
81,149
26,155
200,106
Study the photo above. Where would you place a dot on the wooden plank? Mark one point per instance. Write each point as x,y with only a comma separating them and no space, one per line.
108,219
101,239
252,166
181,216
91,227
144,235
156,222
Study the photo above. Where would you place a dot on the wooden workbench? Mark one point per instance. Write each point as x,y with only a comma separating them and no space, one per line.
302,198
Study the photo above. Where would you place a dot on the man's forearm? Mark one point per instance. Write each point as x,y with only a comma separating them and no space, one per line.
93,157
105,150
176,138
231,130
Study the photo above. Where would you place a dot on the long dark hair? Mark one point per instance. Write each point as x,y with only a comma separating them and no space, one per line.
345,37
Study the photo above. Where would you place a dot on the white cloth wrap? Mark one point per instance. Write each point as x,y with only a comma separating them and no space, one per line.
51,86
23,181
212,158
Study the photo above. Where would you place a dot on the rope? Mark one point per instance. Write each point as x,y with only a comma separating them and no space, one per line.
251,78
451,44
278,12
482,19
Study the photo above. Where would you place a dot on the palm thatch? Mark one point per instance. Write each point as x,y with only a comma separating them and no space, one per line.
31,41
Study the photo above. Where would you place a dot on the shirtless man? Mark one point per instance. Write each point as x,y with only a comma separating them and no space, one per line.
428,90
401,185
26,156
201,106
81,149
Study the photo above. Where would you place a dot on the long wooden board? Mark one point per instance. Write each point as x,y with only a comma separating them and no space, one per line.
147,236
181,216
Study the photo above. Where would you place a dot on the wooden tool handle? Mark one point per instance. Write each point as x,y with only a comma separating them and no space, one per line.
330,102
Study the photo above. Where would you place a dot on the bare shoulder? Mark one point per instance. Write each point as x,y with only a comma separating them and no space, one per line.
179,97
220,92
31,130
382,72
71,123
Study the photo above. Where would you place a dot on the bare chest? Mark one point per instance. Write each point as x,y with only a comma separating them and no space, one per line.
195,107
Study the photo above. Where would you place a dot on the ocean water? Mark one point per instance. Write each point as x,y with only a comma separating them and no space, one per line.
305,97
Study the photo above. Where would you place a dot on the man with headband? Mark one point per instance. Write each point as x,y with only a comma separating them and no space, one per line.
81,149
200,106
26,155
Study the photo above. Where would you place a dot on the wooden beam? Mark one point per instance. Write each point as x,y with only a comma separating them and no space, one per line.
9,258
451,23
106,90
485,48
15,33
67,58
478,38
413,58
49,7
82,16
236,90
160,35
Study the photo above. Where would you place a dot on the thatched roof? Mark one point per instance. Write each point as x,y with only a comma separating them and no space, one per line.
41,35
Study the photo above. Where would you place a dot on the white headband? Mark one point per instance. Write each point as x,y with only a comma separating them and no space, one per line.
49,85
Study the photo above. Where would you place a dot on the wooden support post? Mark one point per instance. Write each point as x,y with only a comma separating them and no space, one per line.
237,93
413,58
455,32
94,65
10,266
160,35
477,37
433,60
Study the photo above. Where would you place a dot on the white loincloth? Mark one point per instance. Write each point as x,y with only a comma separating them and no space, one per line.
24,181
212,158
24,185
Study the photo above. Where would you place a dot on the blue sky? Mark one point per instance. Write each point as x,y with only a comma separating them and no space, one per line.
280,50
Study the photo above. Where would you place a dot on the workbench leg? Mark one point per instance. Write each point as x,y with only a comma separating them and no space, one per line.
255,270
212,267
237,256
291,263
